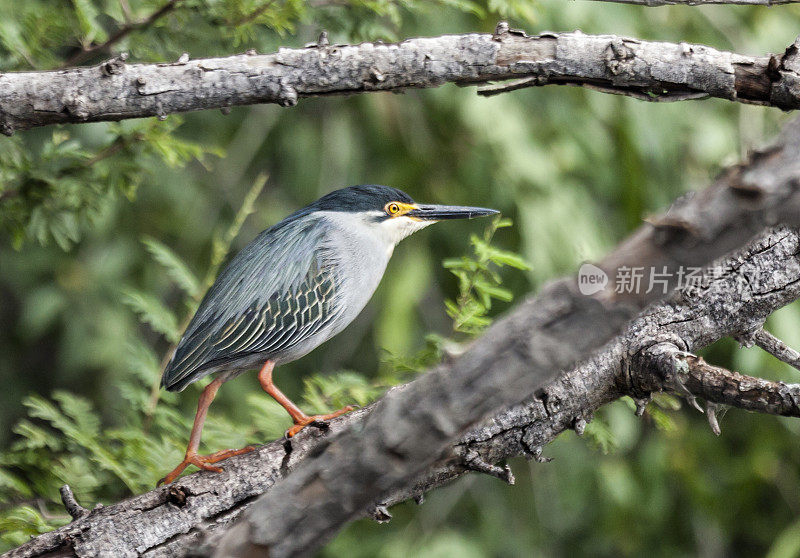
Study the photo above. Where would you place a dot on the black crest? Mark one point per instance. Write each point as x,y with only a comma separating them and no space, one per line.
360,198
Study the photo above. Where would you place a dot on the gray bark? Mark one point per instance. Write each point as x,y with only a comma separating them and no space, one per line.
168,520
652,71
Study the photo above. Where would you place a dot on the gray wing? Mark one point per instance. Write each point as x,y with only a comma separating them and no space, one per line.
277,292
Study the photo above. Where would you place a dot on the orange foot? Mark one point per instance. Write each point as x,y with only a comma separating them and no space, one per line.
305,420
204,462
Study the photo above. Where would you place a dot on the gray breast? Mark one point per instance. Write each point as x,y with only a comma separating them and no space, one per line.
359,258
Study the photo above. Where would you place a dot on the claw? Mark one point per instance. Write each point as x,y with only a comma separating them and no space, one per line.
318,421
203,462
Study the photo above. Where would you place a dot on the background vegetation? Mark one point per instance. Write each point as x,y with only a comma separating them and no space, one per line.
110,232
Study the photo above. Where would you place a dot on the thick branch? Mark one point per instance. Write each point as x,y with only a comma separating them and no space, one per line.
167,521
648,70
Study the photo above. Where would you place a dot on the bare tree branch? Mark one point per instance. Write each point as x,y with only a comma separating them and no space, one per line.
75,510
642,69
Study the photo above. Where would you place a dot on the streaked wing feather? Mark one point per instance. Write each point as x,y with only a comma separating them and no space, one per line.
275,293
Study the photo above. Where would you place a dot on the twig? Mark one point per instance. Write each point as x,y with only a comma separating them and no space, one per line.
773,346
665,364
254,14
71,504
123,32
474,462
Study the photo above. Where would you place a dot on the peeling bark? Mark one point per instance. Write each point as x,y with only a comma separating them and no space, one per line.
653,71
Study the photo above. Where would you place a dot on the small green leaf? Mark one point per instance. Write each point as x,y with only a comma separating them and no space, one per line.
152,312
177,270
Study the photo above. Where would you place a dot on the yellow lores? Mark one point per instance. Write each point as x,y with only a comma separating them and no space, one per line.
398,209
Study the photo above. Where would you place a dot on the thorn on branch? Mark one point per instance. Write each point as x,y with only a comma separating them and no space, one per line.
419,499
114,65
579,424
287,97
711,413
474,462
381,514
501,30
641,404
184,58
323,41
74,509
681,367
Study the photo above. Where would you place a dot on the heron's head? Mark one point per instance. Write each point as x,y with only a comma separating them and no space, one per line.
390,213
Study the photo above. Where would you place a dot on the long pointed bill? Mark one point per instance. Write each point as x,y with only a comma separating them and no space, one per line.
428,212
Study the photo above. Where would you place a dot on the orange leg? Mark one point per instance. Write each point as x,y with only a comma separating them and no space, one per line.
301,420
203,461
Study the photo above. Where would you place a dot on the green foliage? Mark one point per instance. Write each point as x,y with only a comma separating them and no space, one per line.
177,270
153,313
63,440
576,170
479,281
53,192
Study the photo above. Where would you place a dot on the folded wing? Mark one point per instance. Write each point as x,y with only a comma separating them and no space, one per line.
276,293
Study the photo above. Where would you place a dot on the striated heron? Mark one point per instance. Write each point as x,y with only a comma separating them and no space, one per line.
293,287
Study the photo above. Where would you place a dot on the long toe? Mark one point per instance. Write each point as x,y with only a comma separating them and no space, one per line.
225,454
204,462
316,420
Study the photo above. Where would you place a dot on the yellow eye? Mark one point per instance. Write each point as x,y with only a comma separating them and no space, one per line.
392,208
